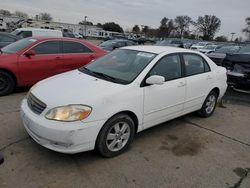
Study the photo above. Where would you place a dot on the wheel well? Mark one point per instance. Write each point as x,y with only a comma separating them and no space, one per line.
132,115
217,90
9,72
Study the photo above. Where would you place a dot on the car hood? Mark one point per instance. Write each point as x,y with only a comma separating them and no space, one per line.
73,87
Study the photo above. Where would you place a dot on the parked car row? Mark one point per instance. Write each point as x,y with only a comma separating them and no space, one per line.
110,45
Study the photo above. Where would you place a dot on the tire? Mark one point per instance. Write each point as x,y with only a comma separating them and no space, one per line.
115,136
209,105
7,83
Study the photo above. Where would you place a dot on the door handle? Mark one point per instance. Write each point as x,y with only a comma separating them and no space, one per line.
181,84
58,57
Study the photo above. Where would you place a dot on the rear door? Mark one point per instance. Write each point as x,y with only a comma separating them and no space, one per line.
75,55
199,79
46,62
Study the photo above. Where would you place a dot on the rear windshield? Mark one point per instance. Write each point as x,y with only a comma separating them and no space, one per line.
16,46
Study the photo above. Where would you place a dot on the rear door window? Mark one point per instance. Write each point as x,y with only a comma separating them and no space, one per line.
195,64
75,47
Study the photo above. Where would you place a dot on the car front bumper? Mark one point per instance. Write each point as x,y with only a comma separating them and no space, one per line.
64,137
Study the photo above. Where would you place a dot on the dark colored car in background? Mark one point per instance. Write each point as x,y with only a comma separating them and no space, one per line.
110,45
7,38
219,54
30,60
238,66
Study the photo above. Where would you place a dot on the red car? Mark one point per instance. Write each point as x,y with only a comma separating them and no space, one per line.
29,60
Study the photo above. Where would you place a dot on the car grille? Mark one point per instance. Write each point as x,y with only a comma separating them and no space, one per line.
35,104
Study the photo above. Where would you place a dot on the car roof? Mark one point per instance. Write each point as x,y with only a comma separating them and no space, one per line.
56,38
36,29
158,49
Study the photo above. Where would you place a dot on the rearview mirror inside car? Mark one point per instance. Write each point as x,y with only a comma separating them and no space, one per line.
155,80
30,53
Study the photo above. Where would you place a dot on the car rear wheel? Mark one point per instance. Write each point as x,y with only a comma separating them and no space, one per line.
115,136
7,83
209,105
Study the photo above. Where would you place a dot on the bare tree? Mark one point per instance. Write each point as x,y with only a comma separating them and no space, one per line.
247,29
208,25
166,27
46,16
21,14
182,24
5,12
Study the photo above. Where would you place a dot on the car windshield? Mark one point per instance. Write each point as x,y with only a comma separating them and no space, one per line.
201,44
107,44
16,46
120,66
210,47
162,43
228,49
245,50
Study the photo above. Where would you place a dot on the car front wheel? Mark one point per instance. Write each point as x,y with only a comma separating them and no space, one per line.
115,136
7,83
209,105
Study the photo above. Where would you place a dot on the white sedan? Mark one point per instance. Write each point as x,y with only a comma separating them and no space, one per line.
105,103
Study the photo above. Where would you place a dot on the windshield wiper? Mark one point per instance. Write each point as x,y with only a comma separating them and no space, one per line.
102,75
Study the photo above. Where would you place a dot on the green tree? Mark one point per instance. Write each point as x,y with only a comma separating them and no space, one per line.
221,38
5,12
136,29
45,16
182,24
85,23
99,25
112,26
247,29
166,27
21,14
208,25
145,29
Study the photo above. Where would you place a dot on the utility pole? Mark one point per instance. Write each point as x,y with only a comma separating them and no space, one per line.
85,25
232,36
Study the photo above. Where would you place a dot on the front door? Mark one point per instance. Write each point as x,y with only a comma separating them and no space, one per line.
164,102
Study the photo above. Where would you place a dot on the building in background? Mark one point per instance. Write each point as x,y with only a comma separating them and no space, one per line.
10,23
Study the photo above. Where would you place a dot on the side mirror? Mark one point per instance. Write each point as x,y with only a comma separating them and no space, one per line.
155,80
30,53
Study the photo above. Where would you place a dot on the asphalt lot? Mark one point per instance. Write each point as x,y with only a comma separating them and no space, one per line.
186,152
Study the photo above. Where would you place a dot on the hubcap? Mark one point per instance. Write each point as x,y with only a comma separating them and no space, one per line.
210,104
118,136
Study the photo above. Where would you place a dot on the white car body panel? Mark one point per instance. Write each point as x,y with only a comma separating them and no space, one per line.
151,105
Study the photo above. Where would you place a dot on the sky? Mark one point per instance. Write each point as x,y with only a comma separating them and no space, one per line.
141,12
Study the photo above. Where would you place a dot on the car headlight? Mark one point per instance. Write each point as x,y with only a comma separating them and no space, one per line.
69,113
